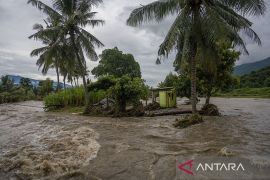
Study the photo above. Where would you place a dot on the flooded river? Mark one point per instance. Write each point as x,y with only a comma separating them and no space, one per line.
39,145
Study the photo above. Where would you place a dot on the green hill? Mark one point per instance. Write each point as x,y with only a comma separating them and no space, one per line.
256,79
249,67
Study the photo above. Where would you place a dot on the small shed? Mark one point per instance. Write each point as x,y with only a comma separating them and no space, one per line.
167,97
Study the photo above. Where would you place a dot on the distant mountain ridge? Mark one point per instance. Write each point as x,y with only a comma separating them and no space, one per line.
249,67
35,83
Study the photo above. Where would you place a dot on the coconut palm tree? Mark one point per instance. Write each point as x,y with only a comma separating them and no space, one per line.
199,24
50,55
72,17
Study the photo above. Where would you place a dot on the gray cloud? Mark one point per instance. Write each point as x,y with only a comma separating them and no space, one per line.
17,19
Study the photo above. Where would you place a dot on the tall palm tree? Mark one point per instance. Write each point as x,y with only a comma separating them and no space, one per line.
199,25
50,55
72,17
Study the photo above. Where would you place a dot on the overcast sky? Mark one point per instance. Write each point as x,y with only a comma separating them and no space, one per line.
17,19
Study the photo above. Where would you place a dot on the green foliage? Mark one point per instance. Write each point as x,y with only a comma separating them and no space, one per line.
11,93
26,84
170,81
247,92
16,95
123,90
211,77
45,87
113,62
218,76
128,90
69,97
73,97
146,93
103,83
267,82
6,84
181,84
256,79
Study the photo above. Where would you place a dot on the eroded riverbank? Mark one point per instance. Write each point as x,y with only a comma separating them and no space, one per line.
35,144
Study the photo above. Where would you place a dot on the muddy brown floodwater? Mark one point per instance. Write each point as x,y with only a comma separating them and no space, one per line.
39,145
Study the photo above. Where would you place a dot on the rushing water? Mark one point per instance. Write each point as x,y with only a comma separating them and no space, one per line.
35,144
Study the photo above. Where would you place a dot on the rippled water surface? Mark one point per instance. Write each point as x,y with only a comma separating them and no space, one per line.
36,145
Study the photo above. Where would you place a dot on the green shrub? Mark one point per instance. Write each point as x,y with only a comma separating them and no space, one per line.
73,97
16,95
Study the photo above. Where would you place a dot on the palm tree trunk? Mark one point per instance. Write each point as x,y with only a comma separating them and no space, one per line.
71,82
207,100
74,79
64,81
193,83
57,73
208,94
83,69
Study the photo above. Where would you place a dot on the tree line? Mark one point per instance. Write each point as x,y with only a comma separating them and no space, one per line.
256,79
11,92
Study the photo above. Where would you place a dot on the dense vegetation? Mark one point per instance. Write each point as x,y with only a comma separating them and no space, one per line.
124,87
72,97
120,76
256,79
114,62
181,84
212,77
255,84
246,92
10,92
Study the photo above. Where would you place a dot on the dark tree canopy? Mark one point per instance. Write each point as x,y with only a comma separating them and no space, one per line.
256,79
103,83
115,63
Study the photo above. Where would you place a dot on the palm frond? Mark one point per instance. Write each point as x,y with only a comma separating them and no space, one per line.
176,32
45,8
247,7
91,38
153,11
38,51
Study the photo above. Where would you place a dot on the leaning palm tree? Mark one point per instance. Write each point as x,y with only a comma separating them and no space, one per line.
199,25
72,17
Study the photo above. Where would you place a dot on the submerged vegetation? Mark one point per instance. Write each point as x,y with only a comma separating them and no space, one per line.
188,120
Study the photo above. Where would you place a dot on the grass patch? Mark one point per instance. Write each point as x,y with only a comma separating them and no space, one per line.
247,93
69,98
